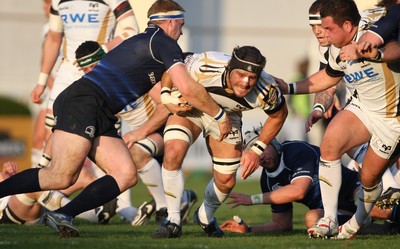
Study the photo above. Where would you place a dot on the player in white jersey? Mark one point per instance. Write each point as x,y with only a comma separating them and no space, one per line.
108,22
237,83
323,102
371,116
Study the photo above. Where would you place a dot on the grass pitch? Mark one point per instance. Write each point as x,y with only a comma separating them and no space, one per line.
119,235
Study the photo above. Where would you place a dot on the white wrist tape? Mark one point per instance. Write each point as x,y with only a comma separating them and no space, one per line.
257,199
259,147
221,115
43,79
319,107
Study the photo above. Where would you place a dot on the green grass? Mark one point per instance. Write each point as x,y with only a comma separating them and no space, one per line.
118,235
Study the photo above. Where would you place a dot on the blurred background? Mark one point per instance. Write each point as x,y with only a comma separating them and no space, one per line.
279,29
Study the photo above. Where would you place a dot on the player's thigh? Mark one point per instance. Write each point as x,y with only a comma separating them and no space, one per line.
112,155
344,132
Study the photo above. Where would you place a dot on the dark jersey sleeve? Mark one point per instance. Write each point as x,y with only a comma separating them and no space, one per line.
167,51
388,26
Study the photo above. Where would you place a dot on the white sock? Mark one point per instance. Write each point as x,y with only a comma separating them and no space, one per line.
125,208
89,215
212,200
330,181
174,183
364,208
151,177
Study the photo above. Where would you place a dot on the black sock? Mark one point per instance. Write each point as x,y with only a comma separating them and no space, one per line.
94,195
26,181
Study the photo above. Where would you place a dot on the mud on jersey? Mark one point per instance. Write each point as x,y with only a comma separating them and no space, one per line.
208,69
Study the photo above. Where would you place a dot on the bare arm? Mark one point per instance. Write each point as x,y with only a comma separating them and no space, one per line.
286,194
250,159
156,120
50,52
365,49
317,82
197,96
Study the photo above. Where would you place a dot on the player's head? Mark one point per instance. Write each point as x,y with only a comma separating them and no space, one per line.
164,12
340,20
88,54
314,18
244,69
271,155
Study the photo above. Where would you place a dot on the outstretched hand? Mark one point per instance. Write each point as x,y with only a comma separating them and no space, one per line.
233,226
250,162
238,199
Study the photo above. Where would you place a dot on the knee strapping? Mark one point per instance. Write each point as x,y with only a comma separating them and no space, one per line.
26,200
149,146
227,166
178,132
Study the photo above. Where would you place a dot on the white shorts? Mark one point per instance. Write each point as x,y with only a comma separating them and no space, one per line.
138,112
385,132
67,74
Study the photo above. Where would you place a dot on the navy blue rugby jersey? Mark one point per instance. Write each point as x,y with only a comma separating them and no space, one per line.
301,159
135,66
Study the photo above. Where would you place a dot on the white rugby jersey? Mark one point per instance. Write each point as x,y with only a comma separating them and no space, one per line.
368,17
85,20
208,69
376,86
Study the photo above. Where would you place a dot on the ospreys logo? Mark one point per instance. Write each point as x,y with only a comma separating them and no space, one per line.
90,130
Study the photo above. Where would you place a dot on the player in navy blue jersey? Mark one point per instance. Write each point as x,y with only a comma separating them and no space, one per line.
385,28
85,116
290,174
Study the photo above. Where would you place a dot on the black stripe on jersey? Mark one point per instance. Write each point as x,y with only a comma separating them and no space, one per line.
53,11
122,9
332,72
220,91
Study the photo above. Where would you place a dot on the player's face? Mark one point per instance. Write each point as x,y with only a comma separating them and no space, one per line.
241,82
319,33
268,158
176,28
335,34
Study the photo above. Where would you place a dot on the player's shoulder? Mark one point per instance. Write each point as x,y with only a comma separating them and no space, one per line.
370,16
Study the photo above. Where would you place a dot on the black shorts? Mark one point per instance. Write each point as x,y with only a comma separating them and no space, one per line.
83,109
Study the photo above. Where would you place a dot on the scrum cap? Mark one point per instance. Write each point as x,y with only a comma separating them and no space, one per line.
251,136
247,58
